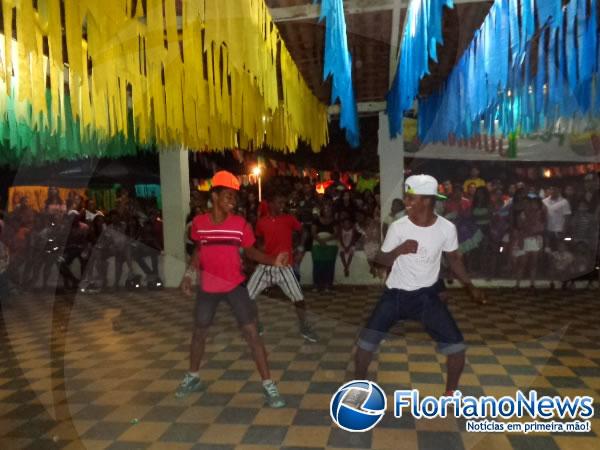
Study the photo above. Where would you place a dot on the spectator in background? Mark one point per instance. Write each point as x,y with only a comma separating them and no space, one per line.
76,247
252,207
475,179
305,212
336,187
117,244
583,266
97,266
348,239
482,215
372,242
561,267
74,203
570,195
397,211
149,245
529,240
591,190
370,202
343,207
23,213
54,204
18,230
584,225
471,189
499,236
52,238
558,212
457,209
324,248
91,211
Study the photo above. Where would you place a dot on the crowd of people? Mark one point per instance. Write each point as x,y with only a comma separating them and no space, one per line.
522,230
33,243
518,231
338,222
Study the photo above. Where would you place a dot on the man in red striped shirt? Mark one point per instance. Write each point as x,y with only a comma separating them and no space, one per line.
219,236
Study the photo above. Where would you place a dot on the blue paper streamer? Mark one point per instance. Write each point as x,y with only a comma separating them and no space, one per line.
494,82
338,66
421,34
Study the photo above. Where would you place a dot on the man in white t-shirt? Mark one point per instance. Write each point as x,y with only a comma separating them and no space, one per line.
413,248
559,210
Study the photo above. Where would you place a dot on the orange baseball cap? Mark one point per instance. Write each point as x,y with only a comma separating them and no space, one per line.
225,179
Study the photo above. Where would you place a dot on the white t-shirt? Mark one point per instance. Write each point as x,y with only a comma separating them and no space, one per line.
422,269
558,210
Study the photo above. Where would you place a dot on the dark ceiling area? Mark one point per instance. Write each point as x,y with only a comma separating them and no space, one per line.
369,39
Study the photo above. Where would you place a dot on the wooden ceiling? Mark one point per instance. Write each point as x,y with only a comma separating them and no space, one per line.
369,38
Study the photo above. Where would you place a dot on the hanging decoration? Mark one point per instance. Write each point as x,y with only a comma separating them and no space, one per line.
515,79
338,66
23,144
421,36
218,76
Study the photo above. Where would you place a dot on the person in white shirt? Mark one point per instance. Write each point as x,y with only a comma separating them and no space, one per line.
413,248
558,210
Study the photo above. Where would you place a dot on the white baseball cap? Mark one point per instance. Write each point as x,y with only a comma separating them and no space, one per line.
423,185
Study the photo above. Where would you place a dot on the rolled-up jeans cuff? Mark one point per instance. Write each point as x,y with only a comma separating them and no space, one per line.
451,349
367,346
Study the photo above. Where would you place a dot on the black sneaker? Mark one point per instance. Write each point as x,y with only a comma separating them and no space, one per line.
307,333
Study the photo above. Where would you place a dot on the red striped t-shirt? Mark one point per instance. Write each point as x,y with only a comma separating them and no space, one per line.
219,261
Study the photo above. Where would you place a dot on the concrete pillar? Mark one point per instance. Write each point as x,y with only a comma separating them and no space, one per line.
391,165
175,190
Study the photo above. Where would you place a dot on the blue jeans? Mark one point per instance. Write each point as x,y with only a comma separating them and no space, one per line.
423,305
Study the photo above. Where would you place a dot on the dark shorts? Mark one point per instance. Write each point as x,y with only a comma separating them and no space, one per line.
239,301
423,305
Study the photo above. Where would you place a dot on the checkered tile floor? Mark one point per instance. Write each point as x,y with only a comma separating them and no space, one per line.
99,372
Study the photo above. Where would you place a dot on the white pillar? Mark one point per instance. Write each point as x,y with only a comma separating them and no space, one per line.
391,165
175,190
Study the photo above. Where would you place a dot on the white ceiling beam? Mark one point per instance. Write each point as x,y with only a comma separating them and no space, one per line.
395,39
313,10
362,107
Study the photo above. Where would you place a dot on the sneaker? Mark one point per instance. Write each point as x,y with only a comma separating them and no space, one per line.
272,395
307,333
189,384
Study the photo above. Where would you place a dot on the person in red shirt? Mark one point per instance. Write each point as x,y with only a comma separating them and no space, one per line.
219,236
276,230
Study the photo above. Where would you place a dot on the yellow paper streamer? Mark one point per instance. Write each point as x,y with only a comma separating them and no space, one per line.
208,79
